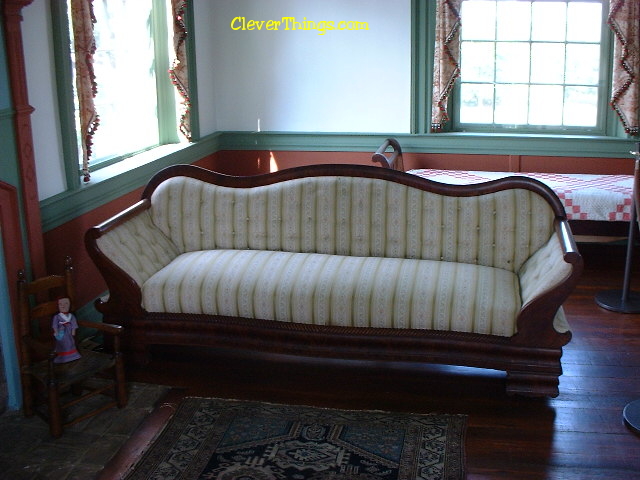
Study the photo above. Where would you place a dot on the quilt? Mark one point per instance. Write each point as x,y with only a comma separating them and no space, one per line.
584,196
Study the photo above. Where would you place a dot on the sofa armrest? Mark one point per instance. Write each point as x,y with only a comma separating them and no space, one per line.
128,249
546,279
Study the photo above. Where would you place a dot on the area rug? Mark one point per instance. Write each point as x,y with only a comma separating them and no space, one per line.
210,438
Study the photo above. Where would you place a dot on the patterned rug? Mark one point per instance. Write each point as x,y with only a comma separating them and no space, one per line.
209,438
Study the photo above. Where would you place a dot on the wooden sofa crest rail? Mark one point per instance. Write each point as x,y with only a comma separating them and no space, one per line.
348,262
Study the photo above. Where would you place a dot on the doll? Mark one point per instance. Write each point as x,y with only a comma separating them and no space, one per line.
64,326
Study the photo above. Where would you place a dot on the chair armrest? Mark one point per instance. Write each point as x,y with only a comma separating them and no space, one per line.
103,327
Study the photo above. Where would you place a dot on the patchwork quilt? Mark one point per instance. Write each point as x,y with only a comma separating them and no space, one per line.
584,196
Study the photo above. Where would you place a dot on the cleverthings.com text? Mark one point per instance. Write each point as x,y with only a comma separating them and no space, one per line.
290,23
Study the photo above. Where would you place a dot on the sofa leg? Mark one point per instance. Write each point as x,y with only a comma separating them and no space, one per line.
532,384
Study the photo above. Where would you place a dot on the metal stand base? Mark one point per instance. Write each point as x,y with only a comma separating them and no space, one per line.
615,301
631,415
626,301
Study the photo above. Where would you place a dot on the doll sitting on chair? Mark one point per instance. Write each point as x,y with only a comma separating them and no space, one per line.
64,326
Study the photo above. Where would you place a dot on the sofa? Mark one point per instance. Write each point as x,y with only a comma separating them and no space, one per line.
347,262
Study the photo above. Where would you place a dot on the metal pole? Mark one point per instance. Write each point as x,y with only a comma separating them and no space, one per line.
625,300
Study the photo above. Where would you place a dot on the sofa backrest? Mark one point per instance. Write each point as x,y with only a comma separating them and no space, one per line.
354,216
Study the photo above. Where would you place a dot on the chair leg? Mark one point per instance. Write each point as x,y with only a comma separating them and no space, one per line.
121,388
27,395
55,412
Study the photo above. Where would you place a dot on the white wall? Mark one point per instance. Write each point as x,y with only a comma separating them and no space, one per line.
342,81
299,81
41,84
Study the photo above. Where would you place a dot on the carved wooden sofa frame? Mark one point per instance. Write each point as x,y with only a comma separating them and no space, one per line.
530,357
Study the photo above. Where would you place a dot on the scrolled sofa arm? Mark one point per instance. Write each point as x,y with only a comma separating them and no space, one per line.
128,249
546,279
545,270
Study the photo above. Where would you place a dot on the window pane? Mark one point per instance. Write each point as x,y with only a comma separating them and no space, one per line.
545,105
511,104
584,21
547,63
583,64
514,20
485,14
581,106
477,62
123,63
512,62
548,21
476,103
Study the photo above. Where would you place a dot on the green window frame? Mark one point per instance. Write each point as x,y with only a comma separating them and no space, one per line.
423,35
165,90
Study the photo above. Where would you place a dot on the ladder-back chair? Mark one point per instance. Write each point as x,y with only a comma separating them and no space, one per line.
49,388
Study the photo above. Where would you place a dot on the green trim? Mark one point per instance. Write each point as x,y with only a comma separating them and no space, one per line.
66,206
64,88
9,172
193,73
422,50
467,143
165,91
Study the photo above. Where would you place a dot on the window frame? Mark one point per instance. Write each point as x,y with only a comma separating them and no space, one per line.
423,36
604,87
167,128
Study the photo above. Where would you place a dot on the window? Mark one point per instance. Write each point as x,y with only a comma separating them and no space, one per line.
124,64
134,107
532,65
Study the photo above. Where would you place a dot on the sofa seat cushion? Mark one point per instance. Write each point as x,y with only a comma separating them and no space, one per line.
337,290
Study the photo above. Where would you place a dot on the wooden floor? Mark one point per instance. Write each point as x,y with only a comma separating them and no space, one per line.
578,435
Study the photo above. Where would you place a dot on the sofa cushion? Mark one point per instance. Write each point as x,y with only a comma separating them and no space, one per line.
337,290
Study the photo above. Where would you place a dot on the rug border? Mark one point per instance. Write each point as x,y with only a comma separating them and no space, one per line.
458,430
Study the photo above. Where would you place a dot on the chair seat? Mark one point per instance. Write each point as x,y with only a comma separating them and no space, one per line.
68,373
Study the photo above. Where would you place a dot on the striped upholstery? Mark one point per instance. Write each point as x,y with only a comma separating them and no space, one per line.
138,247
354,216
342,251
337,290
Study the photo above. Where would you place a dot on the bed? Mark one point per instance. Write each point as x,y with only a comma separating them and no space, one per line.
596,205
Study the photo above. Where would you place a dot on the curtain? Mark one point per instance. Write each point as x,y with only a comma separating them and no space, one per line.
624,21
83,19
178,71
446,67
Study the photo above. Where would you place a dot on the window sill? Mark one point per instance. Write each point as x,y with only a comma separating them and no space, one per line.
114,181
132,163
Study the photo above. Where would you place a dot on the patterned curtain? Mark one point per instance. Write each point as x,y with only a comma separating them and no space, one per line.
82,20
178,71
624,21
446,59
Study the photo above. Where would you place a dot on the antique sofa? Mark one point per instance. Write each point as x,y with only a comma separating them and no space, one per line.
345,261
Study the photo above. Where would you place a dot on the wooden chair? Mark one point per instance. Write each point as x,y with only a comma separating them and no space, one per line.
50,388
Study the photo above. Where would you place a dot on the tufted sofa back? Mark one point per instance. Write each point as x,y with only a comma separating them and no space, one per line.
354,216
